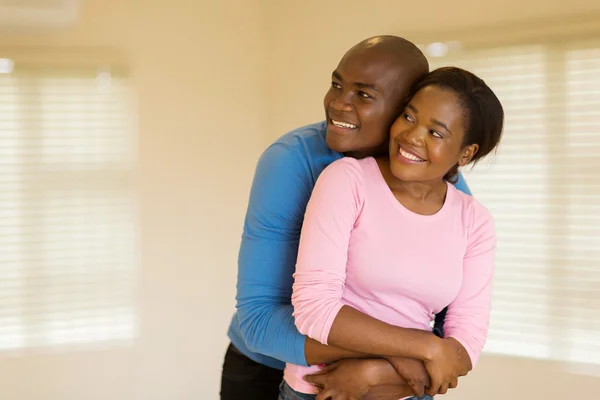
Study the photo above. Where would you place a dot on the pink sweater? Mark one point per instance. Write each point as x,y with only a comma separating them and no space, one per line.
360,247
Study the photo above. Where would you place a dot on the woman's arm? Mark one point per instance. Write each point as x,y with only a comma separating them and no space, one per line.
320,276
355,330
466,325
468,316
318,353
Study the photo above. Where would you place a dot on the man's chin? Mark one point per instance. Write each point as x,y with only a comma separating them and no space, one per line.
336,143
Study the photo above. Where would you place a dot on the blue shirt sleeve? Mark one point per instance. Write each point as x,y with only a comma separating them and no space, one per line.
461,185
267,258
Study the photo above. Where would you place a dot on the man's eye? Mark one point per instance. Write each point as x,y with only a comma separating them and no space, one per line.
364,95
408,118
436,134
336,85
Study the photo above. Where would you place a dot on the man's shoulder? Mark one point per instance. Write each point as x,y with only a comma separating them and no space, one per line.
303,148
309,139
286,174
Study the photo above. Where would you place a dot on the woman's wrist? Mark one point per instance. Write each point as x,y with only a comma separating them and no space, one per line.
431,347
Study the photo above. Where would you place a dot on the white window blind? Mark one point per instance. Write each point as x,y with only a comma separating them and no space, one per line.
543,189
67,221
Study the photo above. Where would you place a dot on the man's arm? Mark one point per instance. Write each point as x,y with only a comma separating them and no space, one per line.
390,392
373,378
267,258
461,184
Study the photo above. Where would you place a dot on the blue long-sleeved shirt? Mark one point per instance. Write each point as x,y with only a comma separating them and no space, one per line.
263,326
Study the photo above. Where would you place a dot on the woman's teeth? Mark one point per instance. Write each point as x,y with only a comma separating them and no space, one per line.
410,156
343,124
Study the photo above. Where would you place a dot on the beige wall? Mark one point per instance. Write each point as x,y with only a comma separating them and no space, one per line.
217,81
197,70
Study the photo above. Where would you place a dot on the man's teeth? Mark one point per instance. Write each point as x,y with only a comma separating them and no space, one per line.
343,124
410,156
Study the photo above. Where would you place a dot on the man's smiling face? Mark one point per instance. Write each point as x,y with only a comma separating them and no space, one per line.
366,95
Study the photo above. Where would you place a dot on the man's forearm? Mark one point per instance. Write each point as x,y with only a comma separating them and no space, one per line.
391,392
357,331
382,373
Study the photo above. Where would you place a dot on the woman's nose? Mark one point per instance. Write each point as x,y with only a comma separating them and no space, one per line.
414,136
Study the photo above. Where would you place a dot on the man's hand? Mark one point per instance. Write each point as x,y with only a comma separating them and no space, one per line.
414,373
445,366
347,379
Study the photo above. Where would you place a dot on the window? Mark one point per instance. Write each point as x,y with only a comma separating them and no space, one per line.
67,211
543,189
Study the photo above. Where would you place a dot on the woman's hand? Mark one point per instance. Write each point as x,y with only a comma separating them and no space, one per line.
444,366
347,379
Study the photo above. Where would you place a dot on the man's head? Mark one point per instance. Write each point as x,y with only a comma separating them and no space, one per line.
367,93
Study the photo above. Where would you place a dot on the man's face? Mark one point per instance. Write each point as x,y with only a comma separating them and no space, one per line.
365,97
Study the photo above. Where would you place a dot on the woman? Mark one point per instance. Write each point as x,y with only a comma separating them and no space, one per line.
388,242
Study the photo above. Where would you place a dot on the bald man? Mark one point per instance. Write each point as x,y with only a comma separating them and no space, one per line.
366,95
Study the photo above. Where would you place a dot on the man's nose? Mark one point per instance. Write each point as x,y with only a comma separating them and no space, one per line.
342,102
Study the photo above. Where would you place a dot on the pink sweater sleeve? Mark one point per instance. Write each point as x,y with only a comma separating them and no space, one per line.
468,315
320,275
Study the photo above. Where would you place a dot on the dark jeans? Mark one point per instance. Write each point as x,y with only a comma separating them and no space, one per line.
287,393
245,379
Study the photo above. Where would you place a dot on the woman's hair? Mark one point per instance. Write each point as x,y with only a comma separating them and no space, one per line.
484,115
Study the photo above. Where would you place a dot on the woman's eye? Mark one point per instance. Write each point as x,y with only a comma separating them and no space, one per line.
437,134
364,95
408,118
336,85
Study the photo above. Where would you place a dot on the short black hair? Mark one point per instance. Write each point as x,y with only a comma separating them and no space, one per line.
484,114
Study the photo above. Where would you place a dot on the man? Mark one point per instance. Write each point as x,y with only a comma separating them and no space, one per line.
367,93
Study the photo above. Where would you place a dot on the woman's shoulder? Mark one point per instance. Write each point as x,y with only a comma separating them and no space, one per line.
352,168
474,213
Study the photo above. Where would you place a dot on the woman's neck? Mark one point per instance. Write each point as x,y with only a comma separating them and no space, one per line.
421,197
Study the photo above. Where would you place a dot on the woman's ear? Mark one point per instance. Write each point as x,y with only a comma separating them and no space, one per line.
467,154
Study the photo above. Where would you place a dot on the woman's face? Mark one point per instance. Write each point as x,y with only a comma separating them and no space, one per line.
426,140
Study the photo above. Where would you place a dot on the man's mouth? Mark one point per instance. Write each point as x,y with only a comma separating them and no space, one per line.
341,124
